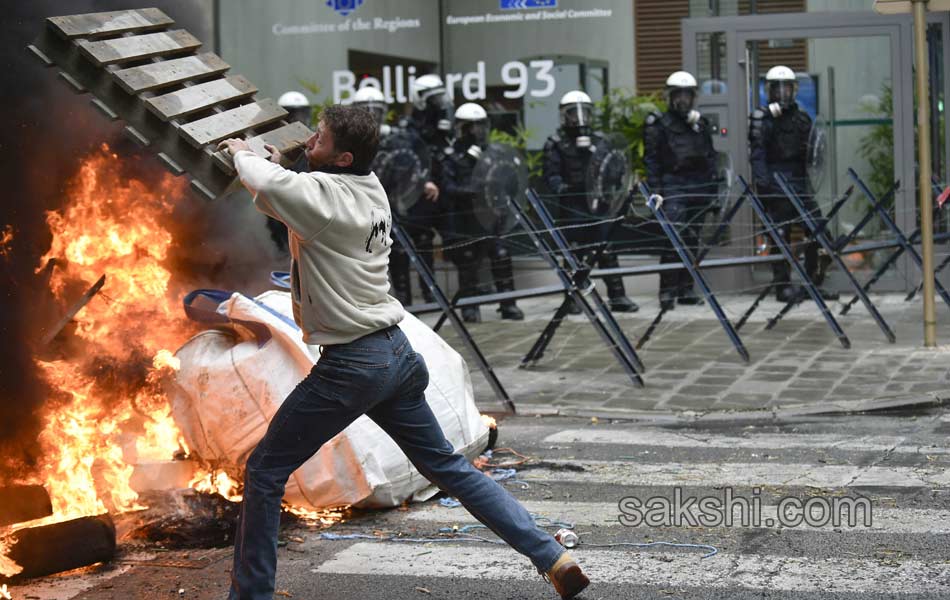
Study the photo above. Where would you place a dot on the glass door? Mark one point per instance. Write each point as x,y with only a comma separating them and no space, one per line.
853,81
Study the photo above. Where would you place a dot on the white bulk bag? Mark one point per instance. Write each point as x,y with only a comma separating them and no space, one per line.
232,381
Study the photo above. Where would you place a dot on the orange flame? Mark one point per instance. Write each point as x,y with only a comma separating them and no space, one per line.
8,568
6,237
111,225
216,482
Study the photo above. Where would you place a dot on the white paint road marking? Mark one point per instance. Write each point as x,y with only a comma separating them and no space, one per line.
633,566
764,441
739,474
586,514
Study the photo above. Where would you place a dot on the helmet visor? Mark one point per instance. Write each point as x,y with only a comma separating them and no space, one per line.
439,111
782,92
682,100
377,109
475,132
578,114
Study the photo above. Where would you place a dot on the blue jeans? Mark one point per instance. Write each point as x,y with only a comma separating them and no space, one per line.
380,375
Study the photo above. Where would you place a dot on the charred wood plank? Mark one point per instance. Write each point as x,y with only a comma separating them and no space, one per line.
200,97
139,47
19,503
63,546
75,308
109,23
231,122
145,78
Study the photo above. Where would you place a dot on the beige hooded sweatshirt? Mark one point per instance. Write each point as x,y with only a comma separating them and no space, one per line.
339,225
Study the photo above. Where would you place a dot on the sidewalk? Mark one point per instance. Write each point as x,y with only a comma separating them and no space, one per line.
691,367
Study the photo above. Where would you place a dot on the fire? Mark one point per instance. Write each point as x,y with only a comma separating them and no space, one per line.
8,568
329,516
110,410
6,237
217,482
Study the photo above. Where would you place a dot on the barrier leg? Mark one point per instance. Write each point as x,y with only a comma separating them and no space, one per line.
449,312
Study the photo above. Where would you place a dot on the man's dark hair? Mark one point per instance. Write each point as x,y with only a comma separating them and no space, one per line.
354,130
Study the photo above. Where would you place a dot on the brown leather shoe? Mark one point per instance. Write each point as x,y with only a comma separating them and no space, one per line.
566,577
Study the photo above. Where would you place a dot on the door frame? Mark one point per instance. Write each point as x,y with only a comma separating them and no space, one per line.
739,30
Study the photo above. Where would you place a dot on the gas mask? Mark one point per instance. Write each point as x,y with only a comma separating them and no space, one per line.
438,112
577,119
781,96
682,101
474,134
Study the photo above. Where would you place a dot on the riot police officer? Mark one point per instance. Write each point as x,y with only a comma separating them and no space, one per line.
779,143
681,166
428,133
467,241
297,105
401,162
567,157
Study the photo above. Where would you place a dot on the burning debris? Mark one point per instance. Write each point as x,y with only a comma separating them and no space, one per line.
6,238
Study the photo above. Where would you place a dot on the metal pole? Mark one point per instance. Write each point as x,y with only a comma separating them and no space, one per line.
924,169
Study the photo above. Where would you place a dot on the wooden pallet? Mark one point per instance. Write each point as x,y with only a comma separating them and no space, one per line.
176,101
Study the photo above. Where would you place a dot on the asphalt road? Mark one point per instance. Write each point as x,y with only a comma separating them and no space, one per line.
895,466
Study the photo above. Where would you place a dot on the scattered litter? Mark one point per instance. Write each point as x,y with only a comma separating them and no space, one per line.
450,503
283,593
423,590
566,538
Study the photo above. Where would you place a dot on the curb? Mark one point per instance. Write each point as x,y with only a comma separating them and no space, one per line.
848,407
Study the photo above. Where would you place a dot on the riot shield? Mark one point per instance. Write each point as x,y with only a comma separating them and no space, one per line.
608,176
725,177
500,174
817,162
402,169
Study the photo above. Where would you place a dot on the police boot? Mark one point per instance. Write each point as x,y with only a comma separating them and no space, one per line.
689,297
616,293
509,310
466,262
471,314
785,293
572,307
816,265
504,274
668,291
617,296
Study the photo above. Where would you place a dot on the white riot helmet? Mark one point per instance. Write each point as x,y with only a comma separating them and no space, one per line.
297,105
681,95
577,114
428,96
782,86
373,100
472,127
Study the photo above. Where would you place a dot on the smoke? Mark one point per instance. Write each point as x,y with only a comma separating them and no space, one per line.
47,130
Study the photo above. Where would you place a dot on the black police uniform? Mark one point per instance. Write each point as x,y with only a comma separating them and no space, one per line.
681,166
424,217
565,173
468,243
780,145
